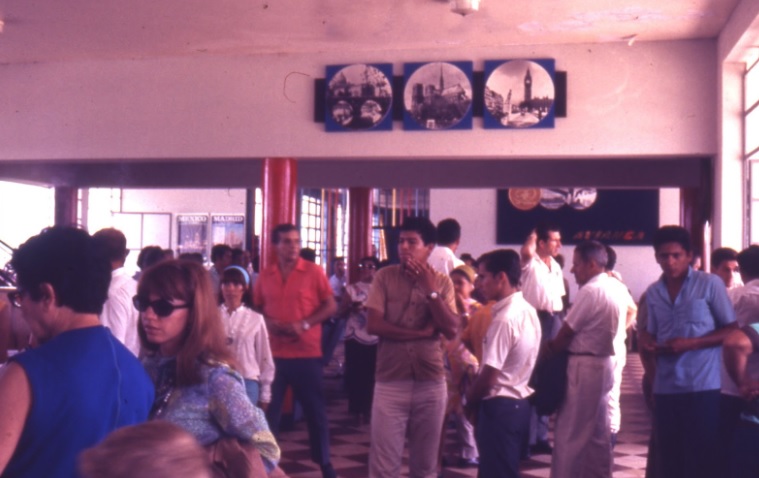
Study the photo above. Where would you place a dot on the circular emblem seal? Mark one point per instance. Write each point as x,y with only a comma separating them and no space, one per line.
524,199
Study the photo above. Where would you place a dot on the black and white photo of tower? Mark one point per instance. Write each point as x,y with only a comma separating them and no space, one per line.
518,94
438,95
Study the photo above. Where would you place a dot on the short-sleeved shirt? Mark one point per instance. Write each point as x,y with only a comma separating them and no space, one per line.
511,346
443,260
305,289
402,303
700,307
745,300
595,315
543,287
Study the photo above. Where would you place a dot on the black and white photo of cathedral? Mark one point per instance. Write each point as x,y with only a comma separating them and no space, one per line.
519,94
438,96
359,97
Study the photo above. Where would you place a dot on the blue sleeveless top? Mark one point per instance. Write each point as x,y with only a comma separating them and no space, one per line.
84,384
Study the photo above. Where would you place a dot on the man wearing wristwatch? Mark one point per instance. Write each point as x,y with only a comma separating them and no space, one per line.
409,305
295,298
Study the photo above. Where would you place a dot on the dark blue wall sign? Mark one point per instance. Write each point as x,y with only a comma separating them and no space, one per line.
611,216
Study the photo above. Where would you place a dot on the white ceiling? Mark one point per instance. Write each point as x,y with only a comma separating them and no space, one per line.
60,30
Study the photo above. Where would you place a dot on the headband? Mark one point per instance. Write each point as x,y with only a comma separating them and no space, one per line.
245,274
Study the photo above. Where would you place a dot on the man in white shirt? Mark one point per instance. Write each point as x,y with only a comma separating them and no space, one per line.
119,315
745,299
543,288
443,257
582,437
510,349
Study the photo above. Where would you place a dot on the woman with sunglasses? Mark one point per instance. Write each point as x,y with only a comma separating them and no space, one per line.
360,346
184,351
246,335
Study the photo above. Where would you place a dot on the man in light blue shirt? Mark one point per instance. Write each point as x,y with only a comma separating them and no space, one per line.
690,314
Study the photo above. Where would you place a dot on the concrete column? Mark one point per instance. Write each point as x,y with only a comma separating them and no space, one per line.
279,192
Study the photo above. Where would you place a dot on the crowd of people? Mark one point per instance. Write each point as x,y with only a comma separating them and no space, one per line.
183,370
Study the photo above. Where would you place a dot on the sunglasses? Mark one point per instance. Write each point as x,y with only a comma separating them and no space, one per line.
161,307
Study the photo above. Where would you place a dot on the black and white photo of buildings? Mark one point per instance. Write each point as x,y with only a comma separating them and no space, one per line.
359,97
438,95
519,94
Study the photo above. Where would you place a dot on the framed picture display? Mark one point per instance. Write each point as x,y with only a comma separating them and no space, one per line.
519,93
437,95
228,229
192,233
359,97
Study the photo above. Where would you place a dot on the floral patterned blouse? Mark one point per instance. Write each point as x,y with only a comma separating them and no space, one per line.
215,408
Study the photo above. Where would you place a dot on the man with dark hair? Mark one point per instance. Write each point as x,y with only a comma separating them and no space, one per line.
119,314
443,257
294,297
745,300
510,349
582,436
724,263
689,315
221,258
80,383
409,305
543,287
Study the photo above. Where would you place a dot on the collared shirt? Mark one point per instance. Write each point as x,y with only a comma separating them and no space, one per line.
511,346
478,326
402,303
543,286
745,300
700,307
443,260
304,291
249,341
595,315
119,313
337,284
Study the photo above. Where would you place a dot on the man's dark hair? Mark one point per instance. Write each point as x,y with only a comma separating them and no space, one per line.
192,256
422,226
338,259
666,234
70,261
611,258
448,231
150,255
112,243
503,260
281,229
721,255
308,254
218,251
748,261
544,229
593,251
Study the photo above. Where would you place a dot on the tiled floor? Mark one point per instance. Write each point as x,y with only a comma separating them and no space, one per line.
350,443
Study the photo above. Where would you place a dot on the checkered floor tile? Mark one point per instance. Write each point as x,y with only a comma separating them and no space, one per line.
350,442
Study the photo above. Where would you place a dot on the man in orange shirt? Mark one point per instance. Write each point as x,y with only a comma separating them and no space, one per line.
295,298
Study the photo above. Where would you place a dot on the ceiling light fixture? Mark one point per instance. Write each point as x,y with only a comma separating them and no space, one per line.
465,7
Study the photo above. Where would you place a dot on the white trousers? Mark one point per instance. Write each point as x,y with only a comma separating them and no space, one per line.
618,362
398,407
582,439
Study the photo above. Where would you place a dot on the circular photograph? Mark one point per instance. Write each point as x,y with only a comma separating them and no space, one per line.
524,199
519,93
582,198
359,96
554,198
438,95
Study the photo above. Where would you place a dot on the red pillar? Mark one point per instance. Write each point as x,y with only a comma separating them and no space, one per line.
279,201
66,198
359,228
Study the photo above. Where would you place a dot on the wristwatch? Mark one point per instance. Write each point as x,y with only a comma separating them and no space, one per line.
306,325
433,295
